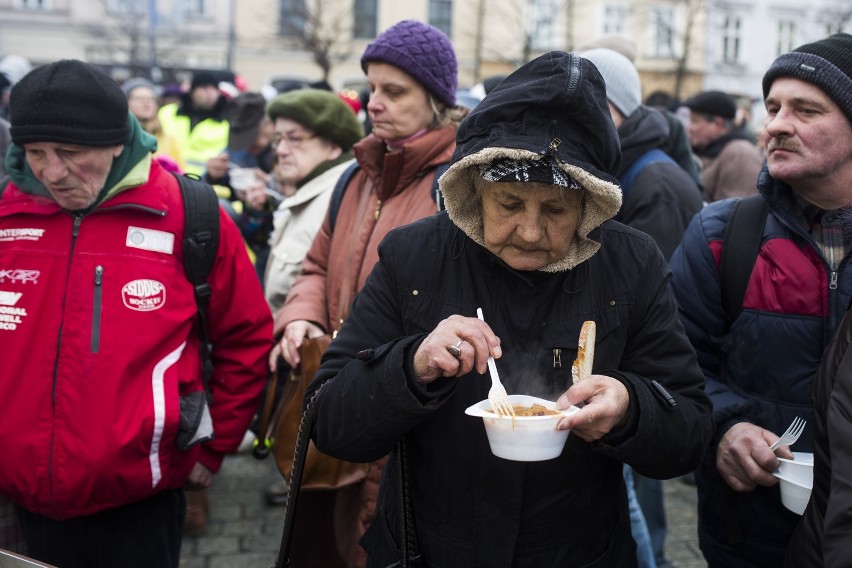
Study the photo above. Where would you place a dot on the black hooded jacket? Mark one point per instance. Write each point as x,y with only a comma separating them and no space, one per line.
471,508
663,197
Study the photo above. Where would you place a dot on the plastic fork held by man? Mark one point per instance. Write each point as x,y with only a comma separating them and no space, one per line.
791,435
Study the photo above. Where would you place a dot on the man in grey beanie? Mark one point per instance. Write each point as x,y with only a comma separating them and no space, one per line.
759,361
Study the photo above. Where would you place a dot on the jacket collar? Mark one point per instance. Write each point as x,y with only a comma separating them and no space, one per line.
399,169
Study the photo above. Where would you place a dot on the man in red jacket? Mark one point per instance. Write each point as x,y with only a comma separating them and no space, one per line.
98,332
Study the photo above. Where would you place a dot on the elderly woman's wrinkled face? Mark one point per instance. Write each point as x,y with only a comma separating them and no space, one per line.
529,225
399,105
299,150
73,175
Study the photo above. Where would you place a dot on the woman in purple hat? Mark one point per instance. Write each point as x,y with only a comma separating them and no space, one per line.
412,75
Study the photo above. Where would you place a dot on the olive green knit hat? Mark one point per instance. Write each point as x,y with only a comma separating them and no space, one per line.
322,112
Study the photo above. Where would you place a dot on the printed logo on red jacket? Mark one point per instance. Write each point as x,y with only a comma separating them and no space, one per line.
144,295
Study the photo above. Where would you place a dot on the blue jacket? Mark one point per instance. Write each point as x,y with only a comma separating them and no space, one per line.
790,310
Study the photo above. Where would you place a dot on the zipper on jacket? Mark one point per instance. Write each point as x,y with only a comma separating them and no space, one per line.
75,230
96,309
557,358
378,209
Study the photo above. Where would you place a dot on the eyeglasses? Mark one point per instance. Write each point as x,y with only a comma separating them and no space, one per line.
293,141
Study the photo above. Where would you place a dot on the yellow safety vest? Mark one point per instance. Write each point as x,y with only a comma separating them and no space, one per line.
208,139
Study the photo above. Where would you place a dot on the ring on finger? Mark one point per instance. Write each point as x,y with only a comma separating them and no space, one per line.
455,350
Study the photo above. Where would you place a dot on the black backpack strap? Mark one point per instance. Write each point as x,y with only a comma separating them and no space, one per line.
339,190
200,246
346,177
743,236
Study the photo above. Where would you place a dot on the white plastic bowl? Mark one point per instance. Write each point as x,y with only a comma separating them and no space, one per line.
530,438
796,480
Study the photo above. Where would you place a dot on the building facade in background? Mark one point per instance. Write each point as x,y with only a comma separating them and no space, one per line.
681,46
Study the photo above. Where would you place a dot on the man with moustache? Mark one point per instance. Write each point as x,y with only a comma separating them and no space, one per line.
759,367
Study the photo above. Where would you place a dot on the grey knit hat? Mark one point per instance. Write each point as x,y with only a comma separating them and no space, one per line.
623,88
321,111
422,51
136,82
826,63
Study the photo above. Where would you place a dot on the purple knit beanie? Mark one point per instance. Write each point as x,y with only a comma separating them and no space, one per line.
422,51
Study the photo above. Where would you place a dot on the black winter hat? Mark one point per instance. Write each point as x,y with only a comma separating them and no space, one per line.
715,103
204,79
71,102
826,63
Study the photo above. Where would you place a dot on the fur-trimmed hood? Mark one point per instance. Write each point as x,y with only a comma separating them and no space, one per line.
555,106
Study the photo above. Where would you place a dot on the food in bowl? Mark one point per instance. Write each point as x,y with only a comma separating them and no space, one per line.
534,410
524,438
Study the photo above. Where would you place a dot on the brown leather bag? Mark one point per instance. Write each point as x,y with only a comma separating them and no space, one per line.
322,472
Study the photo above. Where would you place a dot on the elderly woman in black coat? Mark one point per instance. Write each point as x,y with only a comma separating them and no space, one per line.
527,237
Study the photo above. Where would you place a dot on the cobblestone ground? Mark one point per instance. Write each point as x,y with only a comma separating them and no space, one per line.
245,533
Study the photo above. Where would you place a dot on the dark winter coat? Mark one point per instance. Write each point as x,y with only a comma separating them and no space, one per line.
663,197
823,536
792,305
472,508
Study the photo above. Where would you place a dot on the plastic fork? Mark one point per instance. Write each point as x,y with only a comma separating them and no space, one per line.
497,395
792,434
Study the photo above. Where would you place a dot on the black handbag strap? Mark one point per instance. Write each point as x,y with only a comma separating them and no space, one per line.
295,481
410,548
409,544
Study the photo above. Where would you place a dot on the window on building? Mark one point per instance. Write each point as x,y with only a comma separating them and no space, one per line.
33,4
292,17
197,7
731,39
127,6
786,36
614,19
365,18
662,20
542,24
441,15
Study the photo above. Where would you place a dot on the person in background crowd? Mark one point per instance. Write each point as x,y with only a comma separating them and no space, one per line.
527,238
730,161
742,120
660,200
677,143
411,69
759,367
249,144
244,193
12,68
142,100
118,419
197,122
314,134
